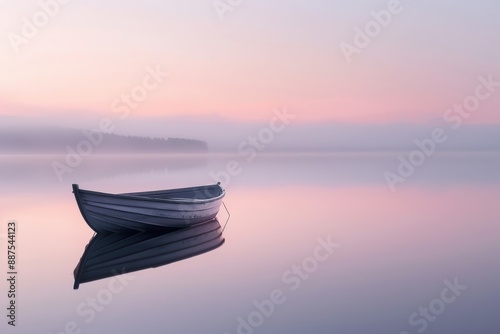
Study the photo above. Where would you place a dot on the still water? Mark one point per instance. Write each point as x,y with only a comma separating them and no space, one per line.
314,244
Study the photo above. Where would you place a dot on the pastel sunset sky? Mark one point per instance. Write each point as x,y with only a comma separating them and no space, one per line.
261,55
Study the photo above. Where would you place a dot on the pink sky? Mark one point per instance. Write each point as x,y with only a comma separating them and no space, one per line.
260,57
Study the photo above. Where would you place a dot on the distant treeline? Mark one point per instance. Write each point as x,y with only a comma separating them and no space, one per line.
58,141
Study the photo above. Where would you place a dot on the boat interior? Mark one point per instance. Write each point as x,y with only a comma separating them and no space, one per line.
203,192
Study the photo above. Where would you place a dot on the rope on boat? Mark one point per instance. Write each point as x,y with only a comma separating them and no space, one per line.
228,216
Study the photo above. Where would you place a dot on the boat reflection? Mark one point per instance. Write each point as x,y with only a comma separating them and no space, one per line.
108,255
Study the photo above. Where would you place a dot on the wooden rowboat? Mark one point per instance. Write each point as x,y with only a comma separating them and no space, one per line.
143,211
113,254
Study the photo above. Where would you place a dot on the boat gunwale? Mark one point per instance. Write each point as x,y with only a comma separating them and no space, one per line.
160,200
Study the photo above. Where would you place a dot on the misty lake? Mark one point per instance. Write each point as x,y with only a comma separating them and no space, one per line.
314,244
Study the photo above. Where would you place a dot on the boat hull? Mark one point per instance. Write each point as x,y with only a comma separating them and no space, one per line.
144,211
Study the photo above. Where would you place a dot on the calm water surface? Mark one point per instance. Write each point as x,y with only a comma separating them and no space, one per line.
424,258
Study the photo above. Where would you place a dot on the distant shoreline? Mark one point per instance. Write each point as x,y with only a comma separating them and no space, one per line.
269,154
